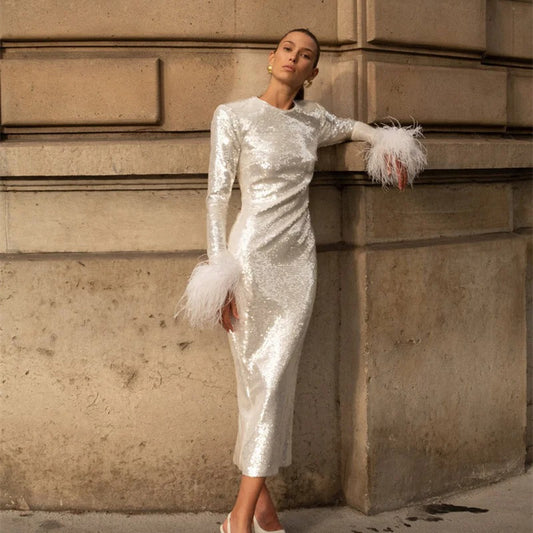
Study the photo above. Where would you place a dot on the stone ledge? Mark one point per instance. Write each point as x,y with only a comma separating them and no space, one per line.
191,155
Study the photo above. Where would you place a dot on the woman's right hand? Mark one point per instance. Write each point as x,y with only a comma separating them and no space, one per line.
229,311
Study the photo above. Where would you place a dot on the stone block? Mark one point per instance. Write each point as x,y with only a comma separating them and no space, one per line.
196,81
437,95
211,20
109,404
56,92
94,218
110,157
3,222
509,24
374,215
523,204
120,19
347,21
108,221
453,152
195,85
187,157
325,206
454,24
529,448
344,88
433,359
268,21
527,236
519,98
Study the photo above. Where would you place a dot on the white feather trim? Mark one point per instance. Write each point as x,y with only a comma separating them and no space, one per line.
207,290
395,143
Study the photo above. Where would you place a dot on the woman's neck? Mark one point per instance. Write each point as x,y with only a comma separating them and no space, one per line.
281,97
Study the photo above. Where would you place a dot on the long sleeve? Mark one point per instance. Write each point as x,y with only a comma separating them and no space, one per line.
224,158
211,281
333,129
388,144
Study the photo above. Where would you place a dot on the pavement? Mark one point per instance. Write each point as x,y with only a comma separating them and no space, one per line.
504,507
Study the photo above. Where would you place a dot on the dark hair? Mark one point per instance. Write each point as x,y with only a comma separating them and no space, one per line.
309,33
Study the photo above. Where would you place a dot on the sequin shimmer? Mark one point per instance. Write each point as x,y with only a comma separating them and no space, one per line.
272,152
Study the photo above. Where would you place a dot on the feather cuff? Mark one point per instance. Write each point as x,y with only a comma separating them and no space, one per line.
392,143
207,290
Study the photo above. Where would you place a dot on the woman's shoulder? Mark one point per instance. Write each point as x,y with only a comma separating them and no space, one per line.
312,107
238,106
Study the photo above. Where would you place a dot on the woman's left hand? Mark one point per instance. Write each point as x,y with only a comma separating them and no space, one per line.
395,166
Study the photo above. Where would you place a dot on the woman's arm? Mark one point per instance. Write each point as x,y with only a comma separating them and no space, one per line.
395,155
213,282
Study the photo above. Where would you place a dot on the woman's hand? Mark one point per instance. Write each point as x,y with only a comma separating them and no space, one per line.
395,166
229,311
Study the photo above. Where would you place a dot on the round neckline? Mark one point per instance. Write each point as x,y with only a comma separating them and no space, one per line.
294,105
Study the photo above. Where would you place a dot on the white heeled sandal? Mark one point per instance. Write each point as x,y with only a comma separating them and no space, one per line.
229,525
259,529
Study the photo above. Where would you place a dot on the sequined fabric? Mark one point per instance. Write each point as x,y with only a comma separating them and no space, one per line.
272,152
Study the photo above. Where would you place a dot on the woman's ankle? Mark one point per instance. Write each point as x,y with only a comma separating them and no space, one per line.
241,517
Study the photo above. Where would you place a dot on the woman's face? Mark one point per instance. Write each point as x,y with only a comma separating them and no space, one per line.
293,60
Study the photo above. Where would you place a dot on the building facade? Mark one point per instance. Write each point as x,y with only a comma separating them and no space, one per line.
413,377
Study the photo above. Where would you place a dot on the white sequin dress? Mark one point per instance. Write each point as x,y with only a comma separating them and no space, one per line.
272,152
269,261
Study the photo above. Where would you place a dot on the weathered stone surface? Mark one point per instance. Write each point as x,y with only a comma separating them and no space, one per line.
107,403
270,20
373,215
3,222
103,409
80,91
194,85
191,88
433,359
527,235
509,26
190,156
453,24
93,219
523,204
347,21
437,95
107,221
325,205
520,102
163,19
105,157
344,87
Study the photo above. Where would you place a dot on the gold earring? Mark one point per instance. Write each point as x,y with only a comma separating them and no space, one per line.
269,68
308,84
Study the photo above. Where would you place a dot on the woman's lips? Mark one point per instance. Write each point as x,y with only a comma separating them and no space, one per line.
289,68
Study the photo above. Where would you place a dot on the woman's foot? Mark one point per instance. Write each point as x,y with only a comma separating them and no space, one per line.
237,524
265,512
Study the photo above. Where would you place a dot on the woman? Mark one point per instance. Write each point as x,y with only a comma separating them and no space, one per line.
261,284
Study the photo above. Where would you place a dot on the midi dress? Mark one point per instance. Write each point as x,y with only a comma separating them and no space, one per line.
269,261
272,152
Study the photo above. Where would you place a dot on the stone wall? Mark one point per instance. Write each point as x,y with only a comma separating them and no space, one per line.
413,377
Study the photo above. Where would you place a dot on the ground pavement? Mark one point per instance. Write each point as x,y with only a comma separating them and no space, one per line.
505,507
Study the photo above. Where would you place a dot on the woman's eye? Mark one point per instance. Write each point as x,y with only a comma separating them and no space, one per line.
286,48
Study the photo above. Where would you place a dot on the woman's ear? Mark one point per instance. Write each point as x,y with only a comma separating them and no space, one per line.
314,74
271,56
